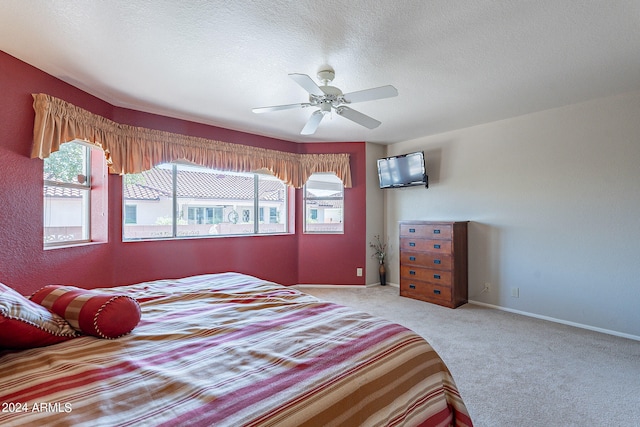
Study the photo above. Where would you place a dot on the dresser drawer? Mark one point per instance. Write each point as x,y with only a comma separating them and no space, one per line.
425,291
432,231
439,277
425,245
434,260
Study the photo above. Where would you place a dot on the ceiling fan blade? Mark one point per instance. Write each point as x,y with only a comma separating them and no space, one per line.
370,94
312,123
279,107
307,84
358,117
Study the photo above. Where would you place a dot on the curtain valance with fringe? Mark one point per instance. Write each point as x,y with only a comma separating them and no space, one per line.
131,149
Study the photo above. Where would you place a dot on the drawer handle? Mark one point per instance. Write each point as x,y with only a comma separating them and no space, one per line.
437,261
411,272
436,276
436,246
436,291
436,231
412,258
412,286
412,243
412,230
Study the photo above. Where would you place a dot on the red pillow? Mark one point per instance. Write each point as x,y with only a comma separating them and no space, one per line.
94,313
25,324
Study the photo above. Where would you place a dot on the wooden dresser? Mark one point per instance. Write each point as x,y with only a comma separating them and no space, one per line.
433,262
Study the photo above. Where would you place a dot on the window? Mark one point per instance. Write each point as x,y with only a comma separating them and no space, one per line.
74,195
177,200
323,204
200,215
274,216
130,214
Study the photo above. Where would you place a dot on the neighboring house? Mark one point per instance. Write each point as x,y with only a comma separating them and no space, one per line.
62,214
208,203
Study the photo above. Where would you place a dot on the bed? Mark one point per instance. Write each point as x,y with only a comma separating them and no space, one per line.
233,350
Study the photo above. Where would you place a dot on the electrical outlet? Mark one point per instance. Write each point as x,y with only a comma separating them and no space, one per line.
515,292
487,288
359,272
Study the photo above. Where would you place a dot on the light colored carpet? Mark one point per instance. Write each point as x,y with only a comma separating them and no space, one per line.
513,370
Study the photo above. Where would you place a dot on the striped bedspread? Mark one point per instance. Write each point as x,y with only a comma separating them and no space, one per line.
233,350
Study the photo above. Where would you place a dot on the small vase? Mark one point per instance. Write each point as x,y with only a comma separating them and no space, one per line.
383,275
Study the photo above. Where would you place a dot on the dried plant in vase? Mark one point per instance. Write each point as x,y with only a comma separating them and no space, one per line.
380,252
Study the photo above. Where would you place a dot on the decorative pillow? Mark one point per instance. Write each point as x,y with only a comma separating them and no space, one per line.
91,312
25,324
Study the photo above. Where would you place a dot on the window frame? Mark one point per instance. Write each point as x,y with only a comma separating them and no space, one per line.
254,210
310,211
95,201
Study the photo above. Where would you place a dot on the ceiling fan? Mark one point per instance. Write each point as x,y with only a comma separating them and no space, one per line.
329,98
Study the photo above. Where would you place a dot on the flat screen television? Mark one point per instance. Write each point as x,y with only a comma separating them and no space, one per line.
405,170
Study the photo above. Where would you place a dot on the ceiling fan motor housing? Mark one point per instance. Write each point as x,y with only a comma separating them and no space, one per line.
332,98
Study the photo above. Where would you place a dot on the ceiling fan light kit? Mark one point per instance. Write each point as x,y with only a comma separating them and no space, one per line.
328,98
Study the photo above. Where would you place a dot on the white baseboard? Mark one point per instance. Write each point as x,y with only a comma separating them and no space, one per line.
389,284
393,285
371,285
553,319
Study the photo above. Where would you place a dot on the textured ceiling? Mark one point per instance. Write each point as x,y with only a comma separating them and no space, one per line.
454,63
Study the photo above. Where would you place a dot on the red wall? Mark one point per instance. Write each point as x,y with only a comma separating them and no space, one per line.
331,258
24,265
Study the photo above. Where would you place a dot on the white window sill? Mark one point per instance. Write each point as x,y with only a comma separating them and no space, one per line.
72,245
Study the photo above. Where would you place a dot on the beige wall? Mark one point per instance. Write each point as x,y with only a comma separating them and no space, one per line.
375,209
554,204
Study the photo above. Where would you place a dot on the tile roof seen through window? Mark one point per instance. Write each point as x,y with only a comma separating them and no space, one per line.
157,183
52,191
